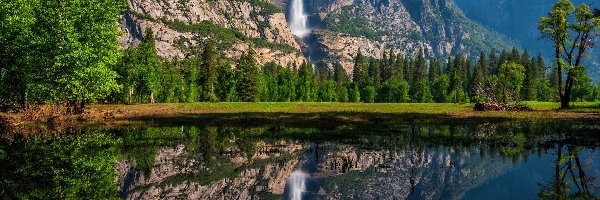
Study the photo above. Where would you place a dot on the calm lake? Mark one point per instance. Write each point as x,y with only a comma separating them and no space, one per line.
508,160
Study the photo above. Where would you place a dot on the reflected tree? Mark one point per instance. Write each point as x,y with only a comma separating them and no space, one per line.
570,177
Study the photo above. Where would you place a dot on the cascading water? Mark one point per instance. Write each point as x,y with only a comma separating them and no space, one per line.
298,21
296,184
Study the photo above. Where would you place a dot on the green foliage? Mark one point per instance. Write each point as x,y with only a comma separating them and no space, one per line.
266,8
570,29
207,69
142,73
226,80
351,23
355,94
286,48
248,75
394,91
327,91
369,94
440,89
511,76
71,167
63,51
420,89
584,90
307,83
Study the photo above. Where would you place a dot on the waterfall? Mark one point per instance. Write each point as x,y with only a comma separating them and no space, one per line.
298,21
297,185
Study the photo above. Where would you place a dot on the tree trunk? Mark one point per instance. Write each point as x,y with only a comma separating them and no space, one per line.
23,99
565,100
130,94
151,97
81,107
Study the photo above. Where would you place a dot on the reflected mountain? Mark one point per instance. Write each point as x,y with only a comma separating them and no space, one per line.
405,161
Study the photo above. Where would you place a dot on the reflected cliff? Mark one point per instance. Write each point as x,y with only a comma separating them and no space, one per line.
408,161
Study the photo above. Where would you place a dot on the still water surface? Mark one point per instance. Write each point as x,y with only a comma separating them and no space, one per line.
509,160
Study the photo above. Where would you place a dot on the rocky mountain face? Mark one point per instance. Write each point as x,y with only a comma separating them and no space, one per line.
340,29
438,27
181,26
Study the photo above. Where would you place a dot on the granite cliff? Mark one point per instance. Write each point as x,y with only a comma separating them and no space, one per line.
339,29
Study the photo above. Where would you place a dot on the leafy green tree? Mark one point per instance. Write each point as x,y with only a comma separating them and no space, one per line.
190,89
583,90
327,91
440,88
394,91
140,70
270,82
288,80
342,93
510,81
571,30
88,48
307,83
59,51
226,80
248,74
171,79
18,51
370,94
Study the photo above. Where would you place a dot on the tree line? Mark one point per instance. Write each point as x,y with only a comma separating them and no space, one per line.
507,76
68,52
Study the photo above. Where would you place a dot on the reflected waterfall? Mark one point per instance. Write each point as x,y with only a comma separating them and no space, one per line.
297,185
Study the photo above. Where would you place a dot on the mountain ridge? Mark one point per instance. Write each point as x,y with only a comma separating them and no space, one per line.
438,27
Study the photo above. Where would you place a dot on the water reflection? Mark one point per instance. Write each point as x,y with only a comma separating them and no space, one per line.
547,160
571,178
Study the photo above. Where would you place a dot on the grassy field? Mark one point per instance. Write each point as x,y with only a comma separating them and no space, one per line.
338,112
578,107
303,114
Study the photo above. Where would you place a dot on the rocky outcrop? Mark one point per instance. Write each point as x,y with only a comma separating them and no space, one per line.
404,26
171,21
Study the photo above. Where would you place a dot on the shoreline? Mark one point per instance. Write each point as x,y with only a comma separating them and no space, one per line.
315,114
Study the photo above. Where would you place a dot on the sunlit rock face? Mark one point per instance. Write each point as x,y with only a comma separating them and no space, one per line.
317,30
252,21
438,27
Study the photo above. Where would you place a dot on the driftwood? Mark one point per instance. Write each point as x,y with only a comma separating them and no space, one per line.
500,107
